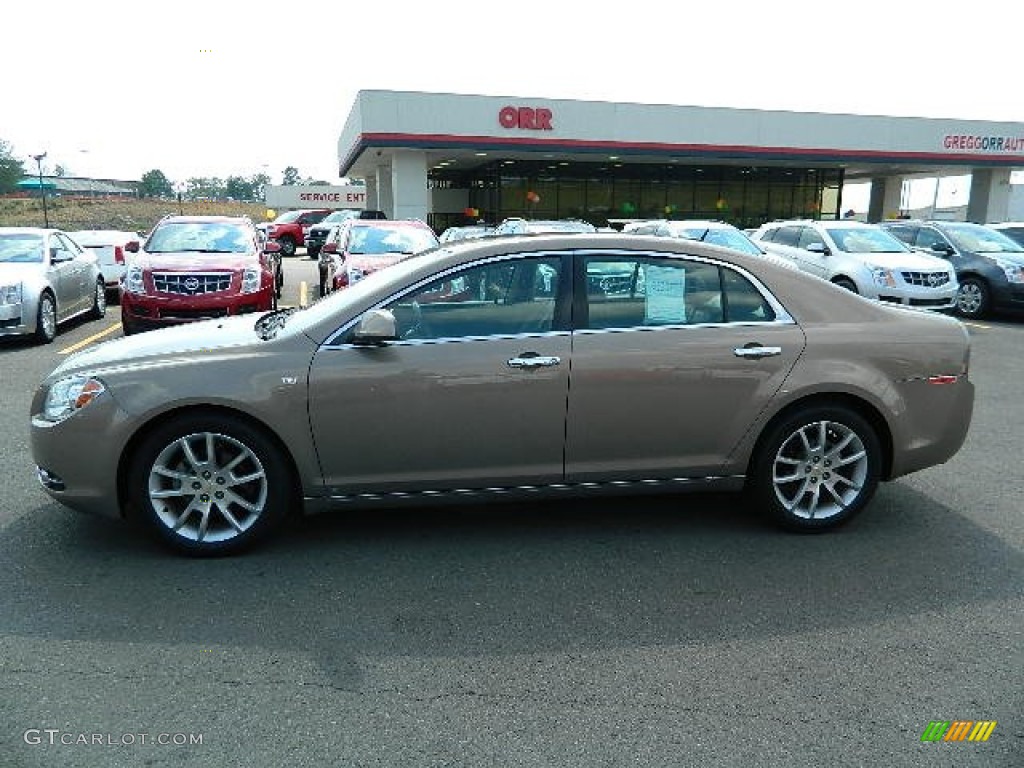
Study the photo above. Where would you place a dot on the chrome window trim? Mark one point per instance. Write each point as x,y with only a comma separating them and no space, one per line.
782,316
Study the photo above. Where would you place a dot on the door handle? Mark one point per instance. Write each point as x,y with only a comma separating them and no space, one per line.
757,352
533,360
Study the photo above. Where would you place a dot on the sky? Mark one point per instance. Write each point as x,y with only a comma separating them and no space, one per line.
113,89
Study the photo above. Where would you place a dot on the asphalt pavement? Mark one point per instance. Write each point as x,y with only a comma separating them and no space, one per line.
670,631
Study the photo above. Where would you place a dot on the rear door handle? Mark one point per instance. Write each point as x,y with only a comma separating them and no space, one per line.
532,360
757,352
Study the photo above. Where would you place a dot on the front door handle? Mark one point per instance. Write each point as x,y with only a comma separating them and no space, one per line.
533,360
757,352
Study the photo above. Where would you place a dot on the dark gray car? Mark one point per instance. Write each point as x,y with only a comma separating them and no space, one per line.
498,369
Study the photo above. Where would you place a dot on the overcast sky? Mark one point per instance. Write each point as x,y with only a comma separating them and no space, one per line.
112,89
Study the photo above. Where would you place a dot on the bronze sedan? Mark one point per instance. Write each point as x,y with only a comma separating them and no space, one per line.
532,366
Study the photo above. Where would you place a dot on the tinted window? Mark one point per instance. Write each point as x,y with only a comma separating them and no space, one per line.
927,237
743,302
787,236
809,236
503,298
651,292
979,239
903,232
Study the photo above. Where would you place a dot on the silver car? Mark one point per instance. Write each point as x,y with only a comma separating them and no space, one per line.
113,248
45,279
510,368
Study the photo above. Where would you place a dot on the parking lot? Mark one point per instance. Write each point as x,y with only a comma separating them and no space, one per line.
647,632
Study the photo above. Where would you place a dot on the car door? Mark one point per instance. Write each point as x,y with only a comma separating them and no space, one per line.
472,395
66,276
668,375
817,262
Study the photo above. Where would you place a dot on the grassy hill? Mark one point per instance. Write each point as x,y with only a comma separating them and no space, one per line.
124,214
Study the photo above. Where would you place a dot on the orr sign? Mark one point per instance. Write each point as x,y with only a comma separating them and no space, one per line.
525,118
292,196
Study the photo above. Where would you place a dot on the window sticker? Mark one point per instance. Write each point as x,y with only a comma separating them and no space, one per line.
665,299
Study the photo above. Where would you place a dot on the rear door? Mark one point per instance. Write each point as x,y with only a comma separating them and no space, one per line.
673,358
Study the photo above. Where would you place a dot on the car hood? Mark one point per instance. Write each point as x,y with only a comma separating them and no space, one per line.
1011,257
912,260
188,261
372,263
166,344
19,271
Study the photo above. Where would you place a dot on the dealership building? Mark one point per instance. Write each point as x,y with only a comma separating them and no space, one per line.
449,158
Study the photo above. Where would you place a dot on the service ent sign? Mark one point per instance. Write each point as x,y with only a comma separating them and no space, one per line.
292,196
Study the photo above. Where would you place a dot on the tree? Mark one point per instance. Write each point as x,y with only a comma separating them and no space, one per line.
11,169
238,188
291,176
60,170
205,188
259,182
155,184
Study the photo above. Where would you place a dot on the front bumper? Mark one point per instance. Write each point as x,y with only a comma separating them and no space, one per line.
13,321
158,311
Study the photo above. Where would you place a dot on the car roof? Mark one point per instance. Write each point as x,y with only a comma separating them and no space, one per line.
27,230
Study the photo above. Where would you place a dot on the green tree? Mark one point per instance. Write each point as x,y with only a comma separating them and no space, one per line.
60,170
238,188
291,176
206,188
11,169
259,182
155,184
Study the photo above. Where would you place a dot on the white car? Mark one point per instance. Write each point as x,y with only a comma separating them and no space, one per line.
865,259
111,249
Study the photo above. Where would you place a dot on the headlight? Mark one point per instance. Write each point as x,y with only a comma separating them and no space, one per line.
10,294
70,394
133,282
883,277
250,280
1014,272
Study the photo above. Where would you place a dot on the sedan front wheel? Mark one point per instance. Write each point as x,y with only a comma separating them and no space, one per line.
817,468
209,484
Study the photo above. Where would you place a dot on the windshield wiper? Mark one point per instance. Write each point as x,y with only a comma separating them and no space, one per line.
268,325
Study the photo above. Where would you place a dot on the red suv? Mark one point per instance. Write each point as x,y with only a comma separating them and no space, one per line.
291,227
195,268
360,246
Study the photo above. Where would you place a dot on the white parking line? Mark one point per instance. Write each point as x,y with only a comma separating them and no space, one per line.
90,340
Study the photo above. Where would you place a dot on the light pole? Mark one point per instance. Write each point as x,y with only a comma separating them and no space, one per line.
42,190
180,189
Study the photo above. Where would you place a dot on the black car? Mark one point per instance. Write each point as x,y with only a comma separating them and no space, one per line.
319,233
989,265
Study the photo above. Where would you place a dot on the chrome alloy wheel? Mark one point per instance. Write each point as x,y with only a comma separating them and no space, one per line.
820,470
969,298
207,487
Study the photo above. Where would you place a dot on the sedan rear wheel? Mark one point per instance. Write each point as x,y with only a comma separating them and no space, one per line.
209,484
817,468
46,319
99,300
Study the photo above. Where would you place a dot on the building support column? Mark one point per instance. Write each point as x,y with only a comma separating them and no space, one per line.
409,185
989,201
886,194
385,194
372,198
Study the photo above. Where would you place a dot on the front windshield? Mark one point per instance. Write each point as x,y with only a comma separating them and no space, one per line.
387,241
727,238
21,249
865,240
979,239
199,237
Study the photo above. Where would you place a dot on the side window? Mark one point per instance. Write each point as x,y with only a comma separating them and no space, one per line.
65,250
743,302
901,232
496,299
808,236
768,235
651,292
787,236
927,237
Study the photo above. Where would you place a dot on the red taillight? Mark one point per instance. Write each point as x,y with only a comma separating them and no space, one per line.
118,254
947,379
341,280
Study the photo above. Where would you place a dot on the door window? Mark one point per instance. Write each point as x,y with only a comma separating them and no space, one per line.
517,296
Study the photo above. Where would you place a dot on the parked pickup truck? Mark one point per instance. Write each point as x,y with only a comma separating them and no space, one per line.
290,228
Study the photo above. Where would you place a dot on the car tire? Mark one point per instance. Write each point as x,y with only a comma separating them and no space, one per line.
287,246
313,253
816,468
46,318
180,468
99,301
973,298
846,283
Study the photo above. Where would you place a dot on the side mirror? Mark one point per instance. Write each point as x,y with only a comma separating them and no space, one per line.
132,246
271,246
818,248
942,249
376,327
57,256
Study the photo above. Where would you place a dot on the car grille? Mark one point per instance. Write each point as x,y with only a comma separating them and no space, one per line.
191,283
926,279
